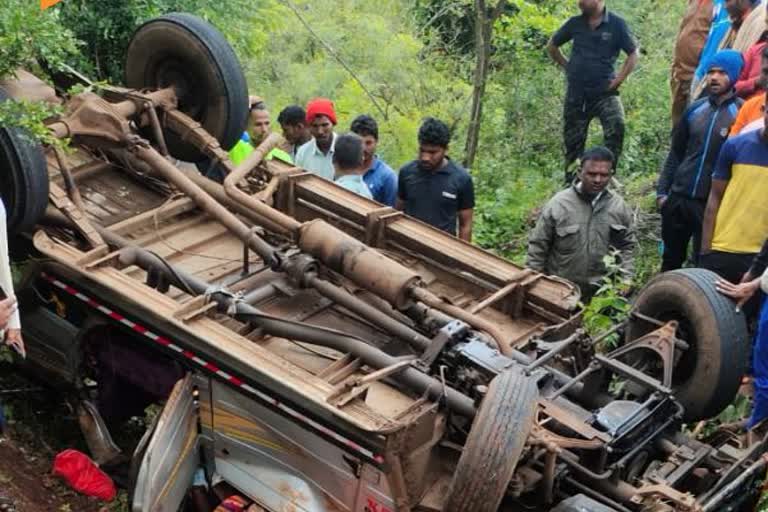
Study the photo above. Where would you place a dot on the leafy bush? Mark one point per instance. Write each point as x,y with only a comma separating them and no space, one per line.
29,35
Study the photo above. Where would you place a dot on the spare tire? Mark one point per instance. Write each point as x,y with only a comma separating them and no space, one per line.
23,178
707,375
495,444
185,52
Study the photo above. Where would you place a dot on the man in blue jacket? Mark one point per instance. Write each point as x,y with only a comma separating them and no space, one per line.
685,179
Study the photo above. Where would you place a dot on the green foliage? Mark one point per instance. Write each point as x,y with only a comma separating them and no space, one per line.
374,38
28,35
30,116
609,305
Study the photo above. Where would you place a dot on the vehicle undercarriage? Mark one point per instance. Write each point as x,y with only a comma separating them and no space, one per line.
332,353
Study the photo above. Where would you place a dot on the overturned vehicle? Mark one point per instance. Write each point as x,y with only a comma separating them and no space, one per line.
320,352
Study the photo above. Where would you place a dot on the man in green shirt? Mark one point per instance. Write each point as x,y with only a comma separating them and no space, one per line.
259,126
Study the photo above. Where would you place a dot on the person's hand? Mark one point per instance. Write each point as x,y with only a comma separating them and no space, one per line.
7,309
14,340
660,202
741,292
614,85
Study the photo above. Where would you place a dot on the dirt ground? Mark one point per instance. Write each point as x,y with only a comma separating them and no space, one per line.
26,477
40,424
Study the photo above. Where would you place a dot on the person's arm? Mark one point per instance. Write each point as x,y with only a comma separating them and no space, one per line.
626,243
465,224
402,196
716,194
676,154
721,175
562,36
745,85
742,119
465,208
540,242
629,46
626,69
556,55
13,330
759,264
741,292
390,189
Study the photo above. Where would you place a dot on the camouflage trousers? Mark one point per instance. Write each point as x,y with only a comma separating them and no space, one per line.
578,113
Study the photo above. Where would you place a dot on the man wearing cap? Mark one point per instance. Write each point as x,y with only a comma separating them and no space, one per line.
316,156
684,182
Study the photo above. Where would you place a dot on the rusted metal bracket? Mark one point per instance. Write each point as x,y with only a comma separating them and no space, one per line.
286,192
652,494
61,200
451,331
351,389
663,342
376,223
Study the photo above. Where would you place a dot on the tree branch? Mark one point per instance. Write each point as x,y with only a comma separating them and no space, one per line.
335,55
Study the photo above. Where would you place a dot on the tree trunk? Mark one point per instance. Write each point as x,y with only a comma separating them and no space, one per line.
483,34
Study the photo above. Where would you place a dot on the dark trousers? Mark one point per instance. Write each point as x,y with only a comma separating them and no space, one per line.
681,220
732,267
578,113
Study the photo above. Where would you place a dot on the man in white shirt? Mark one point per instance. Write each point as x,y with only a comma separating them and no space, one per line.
10,322
316,156
348,161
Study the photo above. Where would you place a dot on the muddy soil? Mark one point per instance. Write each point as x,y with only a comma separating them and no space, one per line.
25,476
40,423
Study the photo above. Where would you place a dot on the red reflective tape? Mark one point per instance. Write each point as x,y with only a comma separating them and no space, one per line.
235,381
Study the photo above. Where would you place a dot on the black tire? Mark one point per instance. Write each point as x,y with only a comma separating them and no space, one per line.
494,444
23,178
186,52
707,376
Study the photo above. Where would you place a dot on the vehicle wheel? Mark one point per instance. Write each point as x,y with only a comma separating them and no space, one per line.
494,444
185,52
24,178
707,375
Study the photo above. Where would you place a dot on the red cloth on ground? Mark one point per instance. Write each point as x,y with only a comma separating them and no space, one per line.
320,107
746,85
83,475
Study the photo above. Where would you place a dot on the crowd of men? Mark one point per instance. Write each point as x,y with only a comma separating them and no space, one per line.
711,189
432,188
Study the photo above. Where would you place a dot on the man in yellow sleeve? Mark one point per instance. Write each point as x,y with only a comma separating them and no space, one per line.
736,217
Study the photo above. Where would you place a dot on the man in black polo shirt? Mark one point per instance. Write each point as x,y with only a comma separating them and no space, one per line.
433,188
593,86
